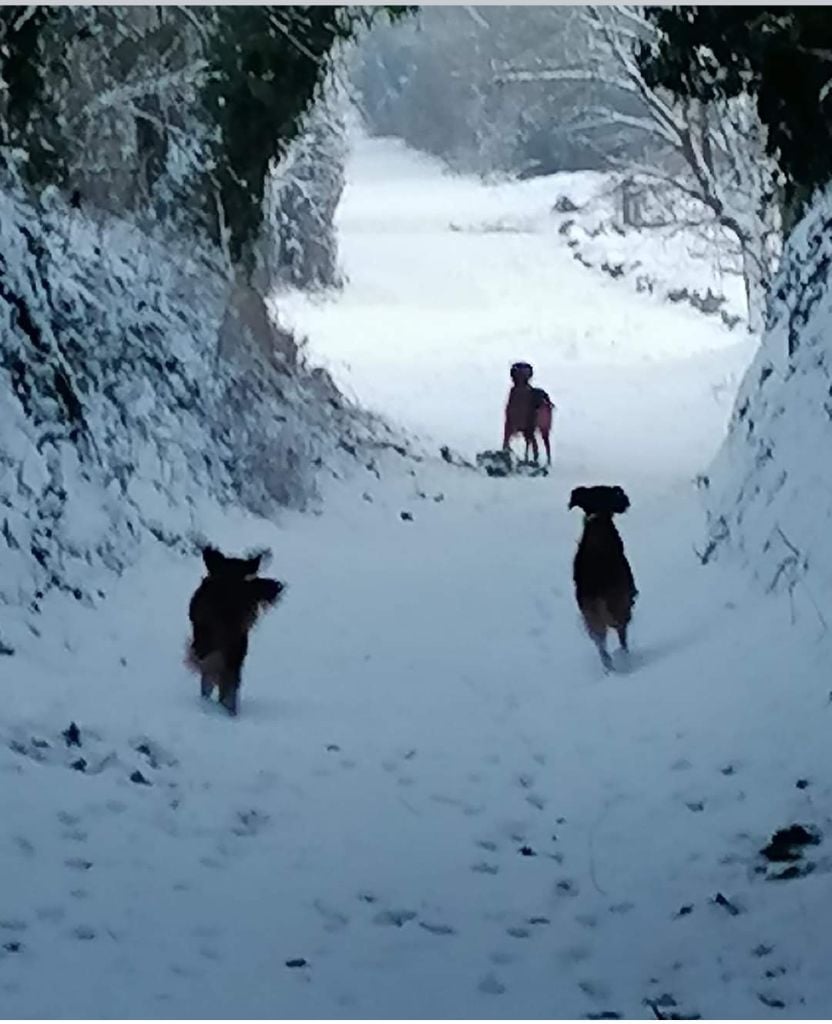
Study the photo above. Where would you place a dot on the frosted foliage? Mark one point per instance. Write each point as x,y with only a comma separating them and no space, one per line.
769,495
118,414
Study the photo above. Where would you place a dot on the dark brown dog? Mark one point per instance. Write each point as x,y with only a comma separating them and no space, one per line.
223,610
604,585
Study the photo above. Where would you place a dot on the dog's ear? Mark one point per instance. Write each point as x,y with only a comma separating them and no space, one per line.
260,556
621,502
251,566
213,558
577,497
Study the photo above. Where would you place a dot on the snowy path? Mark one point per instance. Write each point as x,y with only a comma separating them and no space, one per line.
433,797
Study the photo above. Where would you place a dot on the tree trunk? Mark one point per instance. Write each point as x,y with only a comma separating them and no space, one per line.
756,284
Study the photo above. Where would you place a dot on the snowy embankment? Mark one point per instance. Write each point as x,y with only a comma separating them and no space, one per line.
434,803
129,399
769,494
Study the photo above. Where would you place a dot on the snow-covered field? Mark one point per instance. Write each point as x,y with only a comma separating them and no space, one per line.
434,803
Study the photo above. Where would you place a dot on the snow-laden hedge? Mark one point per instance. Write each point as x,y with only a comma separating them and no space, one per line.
128,396
770,489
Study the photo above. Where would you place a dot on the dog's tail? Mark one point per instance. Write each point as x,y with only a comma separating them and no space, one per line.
265,591
261,593
612,611
192,660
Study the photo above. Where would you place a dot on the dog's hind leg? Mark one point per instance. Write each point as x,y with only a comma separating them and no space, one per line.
601,643
594,615
206,686
229,692
531,442
548,448
622,637
232,676
229,699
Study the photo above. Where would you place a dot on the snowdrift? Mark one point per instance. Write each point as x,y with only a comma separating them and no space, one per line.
769,493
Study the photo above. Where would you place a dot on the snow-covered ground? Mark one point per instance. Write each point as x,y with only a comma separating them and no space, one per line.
434,803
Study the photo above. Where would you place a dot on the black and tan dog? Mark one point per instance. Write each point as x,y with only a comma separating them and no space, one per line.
604,585
223,609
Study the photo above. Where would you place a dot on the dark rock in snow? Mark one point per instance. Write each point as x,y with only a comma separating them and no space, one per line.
80,765
526,851
144,748
406,517
563,204
495,463
802,784
791,872
72,735
139,779
786,844
297,962
722,901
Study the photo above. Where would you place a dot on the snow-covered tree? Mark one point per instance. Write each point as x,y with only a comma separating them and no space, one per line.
432,82
711,154
303,194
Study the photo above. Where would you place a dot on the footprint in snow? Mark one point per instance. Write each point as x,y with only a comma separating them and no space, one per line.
25,846
501,958
621,908
437,929
13,924
586,920
396,918
468,809
594,989
334,920
249,823
491,985
52,915
78,863
576,954
483,868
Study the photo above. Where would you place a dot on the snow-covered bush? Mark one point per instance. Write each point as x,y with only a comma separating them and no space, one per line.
128,397
302,196
770,489
676,259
